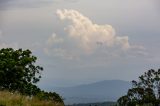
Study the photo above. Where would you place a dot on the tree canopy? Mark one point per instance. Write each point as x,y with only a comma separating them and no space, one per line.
144,91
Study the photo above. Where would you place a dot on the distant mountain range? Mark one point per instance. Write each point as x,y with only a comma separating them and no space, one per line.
95,104
108,90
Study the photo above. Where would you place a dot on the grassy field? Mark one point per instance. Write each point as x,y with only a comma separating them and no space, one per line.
10,99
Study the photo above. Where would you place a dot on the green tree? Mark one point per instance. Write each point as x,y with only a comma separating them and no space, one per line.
144,91
18,71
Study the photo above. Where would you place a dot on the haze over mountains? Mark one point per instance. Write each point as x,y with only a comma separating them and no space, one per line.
107,90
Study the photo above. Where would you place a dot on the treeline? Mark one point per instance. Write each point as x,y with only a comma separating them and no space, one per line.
19,73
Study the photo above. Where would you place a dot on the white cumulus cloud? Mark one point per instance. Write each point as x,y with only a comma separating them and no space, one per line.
88,34
84,37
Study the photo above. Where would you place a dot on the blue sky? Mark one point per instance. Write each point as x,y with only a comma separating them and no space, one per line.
84,41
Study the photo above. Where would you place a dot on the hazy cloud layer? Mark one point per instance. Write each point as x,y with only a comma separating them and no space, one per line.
54,39
12,45
0,33
6,45
97,57
10,4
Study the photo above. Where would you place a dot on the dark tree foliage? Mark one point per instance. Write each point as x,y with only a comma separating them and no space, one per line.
18,72
144,91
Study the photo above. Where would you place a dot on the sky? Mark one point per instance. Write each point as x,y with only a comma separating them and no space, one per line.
84,41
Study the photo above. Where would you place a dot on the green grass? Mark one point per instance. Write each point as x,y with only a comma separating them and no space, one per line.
10,99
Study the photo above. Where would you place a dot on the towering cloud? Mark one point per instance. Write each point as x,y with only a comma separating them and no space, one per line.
88,35
85,37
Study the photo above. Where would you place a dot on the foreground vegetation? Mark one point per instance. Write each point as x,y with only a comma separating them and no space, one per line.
19,73
16,99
